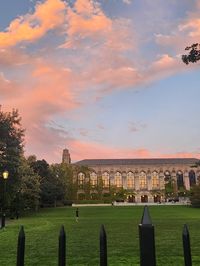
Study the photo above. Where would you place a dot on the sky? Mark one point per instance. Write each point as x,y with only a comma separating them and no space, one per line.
104,78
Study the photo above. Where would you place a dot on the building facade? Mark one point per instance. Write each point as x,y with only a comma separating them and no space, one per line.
142,180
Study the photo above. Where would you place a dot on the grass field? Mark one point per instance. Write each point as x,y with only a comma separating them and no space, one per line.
121,224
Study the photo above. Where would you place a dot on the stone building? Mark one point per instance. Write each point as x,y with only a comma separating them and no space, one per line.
144,180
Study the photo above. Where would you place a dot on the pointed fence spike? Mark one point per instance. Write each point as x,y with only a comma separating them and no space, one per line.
146,219
103,246
21,247
147,240
186,246
62,247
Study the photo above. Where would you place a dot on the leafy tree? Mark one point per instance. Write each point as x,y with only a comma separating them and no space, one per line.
58,186
194,54
195,196
40,167
29,193
11,150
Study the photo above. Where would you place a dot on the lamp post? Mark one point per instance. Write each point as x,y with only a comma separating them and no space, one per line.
3,217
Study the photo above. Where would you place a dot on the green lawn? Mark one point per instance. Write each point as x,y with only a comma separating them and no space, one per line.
121,224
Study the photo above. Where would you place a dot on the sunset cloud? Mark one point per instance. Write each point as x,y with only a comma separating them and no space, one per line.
48,15
65,61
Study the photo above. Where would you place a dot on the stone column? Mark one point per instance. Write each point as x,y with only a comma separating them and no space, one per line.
137,186
174,180
161,181
149,181
186,180
124,180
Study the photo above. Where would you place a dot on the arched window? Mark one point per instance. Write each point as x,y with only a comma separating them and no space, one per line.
167,176
105,180
155,180
143,180
130,180
179,177
192,178
118,179
93,179
81,178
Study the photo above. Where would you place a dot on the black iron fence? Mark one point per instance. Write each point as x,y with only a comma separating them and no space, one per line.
146,240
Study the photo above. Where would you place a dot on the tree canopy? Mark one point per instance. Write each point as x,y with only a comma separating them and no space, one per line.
11,149
194,54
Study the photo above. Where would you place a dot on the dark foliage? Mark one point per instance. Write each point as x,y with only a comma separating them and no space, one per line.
11,150
194,54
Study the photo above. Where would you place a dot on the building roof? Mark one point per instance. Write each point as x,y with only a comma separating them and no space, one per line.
152,161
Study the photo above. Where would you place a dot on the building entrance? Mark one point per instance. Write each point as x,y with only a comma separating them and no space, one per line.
131,198
156,198
144,198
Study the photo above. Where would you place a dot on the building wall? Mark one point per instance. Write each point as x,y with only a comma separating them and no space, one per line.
148,181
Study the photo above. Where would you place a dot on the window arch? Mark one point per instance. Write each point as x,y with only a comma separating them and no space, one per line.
118,179
81,179
143,180
105,179
192,178
167,176
93,179
130,180
179,177
155,180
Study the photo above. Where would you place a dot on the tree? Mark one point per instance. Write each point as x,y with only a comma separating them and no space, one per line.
40,167
194,54
195,196
11,150
29,193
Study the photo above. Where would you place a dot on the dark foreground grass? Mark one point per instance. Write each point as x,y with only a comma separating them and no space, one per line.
121,224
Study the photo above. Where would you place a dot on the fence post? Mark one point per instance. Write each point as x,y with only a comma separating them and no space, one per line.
103,247
3,220
147,240
62,247
186,246
21,247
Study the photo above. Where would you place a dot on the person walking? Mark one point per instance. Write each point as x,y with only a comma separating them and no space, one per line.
77,214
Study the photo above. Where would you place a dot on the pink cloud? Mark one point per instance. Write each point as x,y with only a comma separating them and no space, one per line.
48,15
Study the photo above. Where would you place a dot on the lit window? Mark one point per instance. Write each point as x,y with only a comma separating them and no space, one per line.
118,179
143,180
93,179
105,180
81,178
130,180
155,180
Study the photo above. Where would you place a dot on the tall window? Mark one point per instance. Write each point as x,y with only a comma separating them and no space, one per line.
118,179
192,178
179,177
105,180
143,180
81,178
155,180
93,179
130,180
167,176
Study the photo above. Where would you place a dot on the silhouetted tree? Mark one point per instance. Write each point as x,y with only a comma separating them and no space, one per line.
11,150
194,54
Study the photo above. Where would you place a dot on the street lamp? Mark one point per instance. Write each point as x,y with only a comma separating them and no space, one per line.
3,217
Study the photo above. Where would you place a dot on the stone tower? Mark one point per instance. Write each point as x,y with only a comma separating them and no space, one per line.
66,157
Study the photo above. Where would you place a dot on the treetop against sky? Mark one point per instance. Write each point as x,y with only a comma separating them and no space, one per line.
103,78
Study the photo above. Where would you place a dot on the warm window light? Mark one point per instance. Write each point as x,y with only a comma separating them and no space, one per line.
5,174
